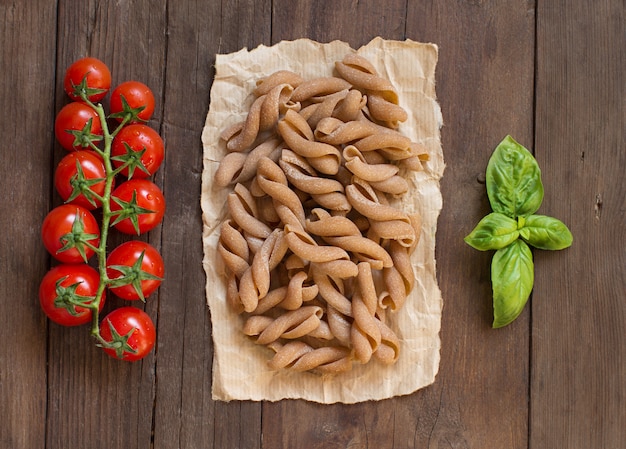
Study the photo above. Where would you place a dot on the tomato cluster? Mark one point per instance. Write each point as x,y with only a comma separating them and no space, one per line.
105,174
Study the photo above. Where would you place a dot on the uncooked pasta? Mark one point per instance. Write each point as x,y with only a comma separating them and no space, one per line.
316,253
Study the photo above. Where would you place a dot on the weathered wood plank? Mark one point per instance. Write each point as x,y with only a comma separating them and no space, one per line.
578,350
27,94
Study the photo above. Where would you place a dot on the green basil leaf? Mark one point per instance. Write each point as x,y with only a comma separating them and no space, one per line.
494,231
512,279
545,232
513,180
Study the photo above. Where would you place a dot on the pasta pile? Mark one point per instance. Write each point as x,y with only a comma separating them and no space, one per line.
316,254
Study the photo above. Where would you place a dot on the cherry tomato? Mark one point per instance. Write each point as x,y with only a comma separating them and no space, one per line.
64,286
131,330
68,231
141,204
78,175
135,269
76,124
141,146
96,77
139,100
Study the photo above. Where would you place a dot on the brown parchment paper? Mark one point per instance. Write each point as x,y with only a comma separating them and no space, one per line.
240,369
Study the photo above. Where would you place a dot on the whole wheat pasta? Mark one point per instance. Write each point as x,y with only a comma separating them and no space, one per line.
228,171
233,248
242,209
263,115
241,167
395,291
297,292
286,354
339,325
305,246
399,230
275,103
327,192
319,87
351,106
326,360
402,262
340,268
365,333
314,249
362,74
290,297
332,291
342,232
272,180
290,325
300,174
272,299
232,293
298,136
266,259
300,356
322,107
323,224
389,348
368,203
396,185
334,131
247,293
264,85
384,110
240,136
356,163
392,144
382,98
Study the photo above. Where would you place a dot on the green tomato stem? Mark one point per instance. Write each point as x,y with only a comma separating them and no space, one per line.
106,221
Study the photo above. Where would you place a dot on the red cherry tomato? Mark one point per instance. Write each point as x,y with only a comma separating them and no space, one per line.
66,232
139,99
141,146
62,287
95,74
76,124
136,270
142,206
78,174
131,330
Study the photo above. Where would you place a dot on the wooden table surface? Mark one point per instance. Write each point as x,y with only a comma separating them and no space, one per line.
550,73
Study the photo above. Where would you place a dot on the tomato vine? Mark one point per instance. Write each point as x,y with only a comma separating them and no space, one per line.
129,332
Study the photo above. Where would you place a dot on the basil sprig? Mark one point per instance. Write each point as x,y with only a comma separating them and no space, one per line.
515,193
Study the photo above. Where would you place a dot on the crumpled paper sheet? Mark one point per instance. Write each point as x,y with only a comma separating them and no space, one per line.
240,369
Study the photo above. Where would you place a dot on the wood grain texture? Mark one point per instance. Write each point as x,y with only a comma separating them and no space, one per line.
551,74
578,352
26,134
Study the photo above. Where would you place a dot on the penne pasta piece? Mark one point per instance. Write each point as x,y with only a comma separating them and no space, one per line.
264,85
356,163
233,248
298,136
242,209
319,87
